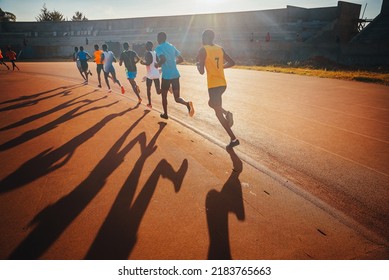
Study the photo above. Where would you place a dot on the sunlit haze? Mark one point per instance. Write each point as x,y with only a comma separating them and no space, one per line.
102,9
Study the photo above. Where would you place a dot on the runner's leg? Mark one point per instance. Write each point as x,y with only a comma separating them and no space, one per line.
98,69
106,74
135,87
215,102
176,92
148,87
157,86
78,63
164,90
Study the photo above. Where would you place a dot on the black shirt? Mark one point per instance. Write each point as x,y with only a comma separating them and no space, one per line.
130,58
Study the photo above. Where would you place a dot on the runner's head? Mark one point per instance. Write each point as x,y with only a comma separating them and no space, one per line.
96,47
105,47
208,37
126,46
76,49
149,45
81,48
161,38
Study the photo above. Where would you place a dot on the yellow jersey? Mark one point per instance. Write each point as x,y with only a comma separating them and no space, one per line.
214,63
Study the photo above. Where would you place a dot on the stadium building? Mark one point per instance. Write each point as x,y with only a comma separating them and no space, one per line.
253,37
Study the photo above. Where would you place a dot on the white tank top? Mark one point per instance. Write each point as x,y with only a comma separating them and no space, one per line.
152,72
108,60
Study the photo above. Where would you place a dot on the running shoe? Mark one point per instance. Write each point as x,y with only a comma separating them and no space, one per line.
123,90
90,73
191,109
233,143
99,86
230,119
164,116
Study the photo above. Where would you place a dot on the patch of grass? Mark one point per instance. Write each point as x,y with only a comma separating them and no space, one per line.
350,75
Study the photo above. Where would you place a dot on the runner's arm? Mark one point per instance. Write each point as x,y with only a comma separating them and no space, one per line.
179,59
148,59
161,61
229,61
136,58
201,61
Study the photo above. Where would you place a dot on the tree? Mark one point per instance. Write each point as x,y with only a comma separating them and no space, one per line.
6,16
47,15
78,16
44,15
56,16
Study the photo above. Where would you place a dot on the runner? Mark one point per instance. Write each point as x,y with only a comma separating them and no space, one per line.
152,72
83,56
99,63
130,59
168,57
2,59
78,63
107,57
11,55
212,57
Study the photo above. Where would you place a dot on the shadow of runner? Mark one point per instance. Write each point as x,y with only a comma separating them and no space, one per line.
50,160
36,101
218,205
28,135
54,219
26,97
46,113
118,234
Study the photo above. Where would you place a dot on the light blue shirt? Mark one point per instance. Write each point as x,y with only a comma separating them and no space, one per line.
169,68
82,55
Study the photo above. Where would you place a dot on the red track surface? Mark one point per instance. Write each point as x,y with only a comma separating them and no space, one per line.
86,174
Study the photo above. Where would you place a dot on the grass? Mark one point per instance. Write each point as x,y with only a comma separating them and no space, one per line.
350,75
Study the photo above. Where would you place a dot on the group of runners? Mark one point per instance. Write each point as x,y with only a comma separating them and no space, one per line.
211,59
11,55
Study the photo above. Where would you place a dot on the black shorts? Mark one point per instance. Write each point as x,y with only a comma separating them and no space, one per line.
149,82
174,82
84,65
99,67
215,96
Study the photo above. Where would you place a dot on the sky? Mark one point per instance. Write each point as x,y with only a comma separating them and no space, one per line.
27,10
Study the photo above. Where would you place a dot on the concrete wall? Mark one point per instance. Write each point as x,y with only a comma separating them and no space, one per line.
372,44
